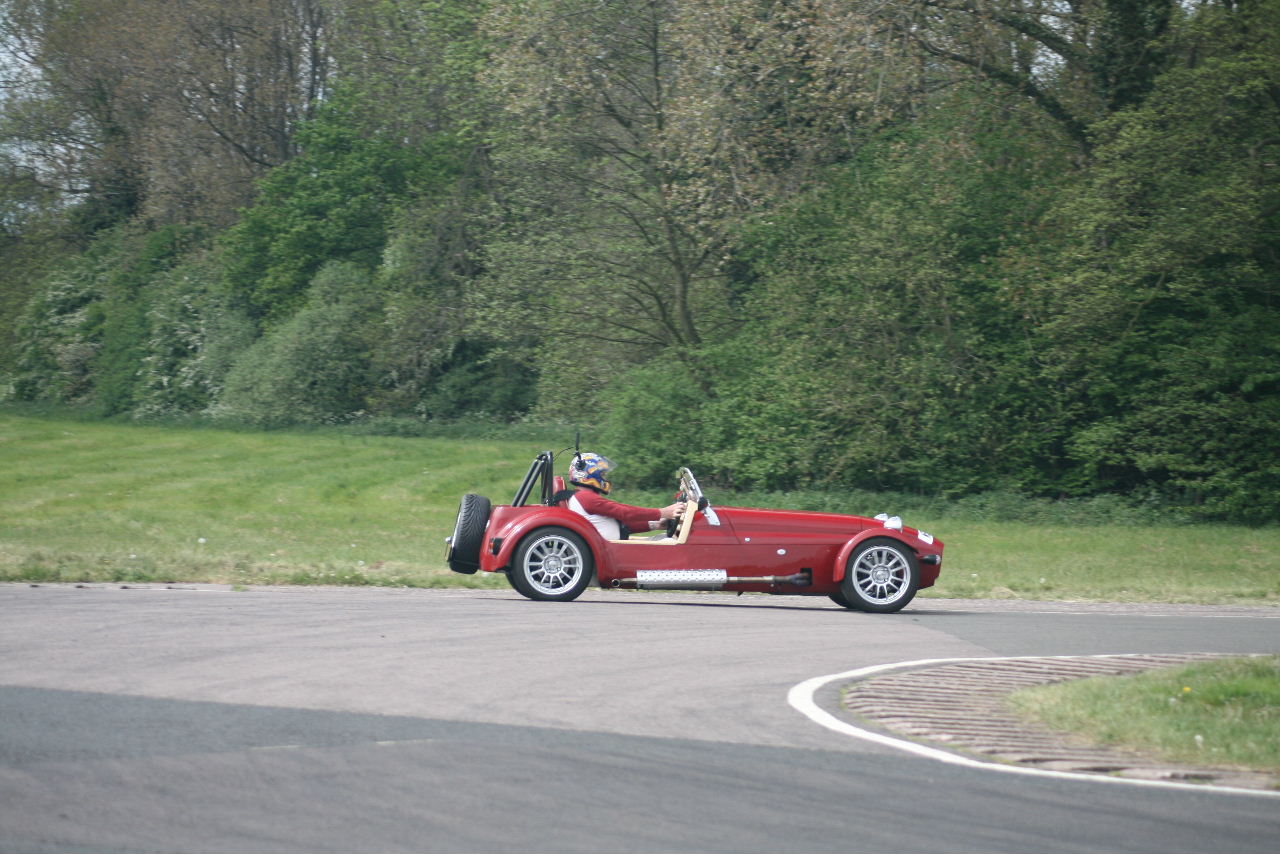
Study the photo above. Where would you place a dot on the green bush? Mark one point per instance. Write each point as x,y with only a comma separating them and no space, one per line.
84,335
59,338
334,202
477,382
196,333
1161,320
312,368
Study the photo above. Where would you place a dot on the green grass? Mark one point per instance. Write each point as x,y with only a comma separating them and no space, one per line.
84,501
107,501
1221,713
1219,564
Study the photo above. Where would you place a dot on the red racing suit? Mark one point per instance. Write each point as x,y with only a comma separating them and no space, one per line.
606,514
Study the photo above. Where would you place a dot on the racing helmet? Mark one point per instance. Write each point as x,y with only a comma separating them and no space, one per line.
592,470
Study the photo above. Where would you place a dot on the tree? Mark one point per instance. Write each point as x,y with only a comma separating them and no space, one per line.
598,207
313,367
633,142
1161,326
1077,60
173,110
881,350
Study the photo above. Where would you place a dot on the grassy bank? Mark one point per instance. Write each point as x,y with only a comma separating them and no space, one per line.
1222,713
84,501
95,501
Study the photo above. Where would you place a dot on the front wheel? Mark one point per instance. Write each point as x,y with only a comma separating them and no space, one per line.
552,564
838,597
882,577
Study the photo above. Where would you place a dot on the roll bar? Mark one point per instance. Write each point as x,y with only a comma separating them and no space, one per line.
540,475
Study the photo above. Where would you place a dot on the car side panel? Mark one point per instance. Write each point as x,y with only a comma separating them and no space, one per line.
509,525
783,542
908,537
724,547
708,547
822,542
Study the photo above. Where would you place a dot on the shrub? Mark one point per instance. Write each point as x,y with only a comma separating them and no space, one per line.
312,368
195,334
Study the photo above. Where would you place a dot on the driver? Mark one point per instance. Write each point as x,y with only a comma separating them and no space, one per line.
612,519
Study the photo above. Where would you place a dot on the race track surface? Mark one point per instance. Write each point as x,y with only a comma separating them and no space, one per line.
304,719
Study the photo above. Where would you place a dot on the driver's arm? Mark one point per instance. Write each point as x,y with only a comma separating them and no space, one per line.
635,518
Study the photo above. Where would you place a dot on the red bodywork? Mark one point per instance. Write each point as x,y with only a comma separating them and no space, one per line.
747,543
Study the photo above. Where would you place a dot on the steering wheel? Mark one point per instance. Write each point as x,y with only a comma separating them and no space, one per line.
673,524
691,494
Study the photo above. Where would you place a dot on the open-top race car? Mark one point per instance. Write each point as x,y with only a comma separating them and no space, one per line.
554,553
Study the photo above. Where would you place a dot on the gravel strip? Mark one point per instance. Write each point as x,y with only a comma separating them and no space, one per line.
963,707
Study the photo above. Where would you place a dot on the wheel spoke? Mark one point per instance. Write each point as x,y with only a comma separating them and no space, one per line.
881,574
553,564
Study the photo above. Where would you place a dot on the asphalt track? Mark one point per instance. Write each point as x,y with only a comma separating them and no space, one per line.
207,720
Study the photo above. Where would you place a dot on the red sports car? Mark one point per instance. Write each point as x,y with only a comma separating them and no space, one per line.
553,553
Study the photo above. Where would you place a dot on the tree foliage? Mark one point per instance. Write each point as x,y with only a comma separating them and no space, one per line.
1162,325
314,366
947,246
333,202
169,110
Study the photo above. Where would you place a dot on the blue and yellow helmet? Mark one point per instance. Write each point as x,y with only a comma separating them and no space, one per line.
588,469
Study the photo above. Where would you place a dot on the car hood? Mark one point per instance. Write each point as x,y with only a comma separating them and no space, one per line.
749,521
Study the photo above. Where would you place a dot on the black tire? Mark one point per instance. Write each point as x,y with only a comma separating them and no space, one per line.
838,598
882,576
552,564
463,554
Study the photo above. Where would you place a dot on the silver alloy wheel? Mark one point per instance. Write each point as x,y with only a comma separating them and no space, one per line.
881,575
553,564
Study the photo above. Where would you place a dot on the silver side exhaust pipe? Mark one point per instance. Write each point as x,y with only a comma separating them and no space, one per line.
704,579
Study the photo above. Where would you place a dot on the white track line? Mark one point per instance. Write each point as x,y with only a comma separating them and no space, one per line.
801,699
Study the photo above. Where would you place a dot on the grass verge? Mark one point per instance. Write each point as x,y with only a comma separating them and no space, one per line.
92,501
1217,713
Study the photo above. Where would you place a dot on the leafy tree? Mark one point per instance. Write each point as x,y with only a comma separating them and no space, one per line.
409,75
879,329
597,204
1076,61
68,121
171,110
195,336
59,336
1163,331
334,202
633,141
414,64
83,334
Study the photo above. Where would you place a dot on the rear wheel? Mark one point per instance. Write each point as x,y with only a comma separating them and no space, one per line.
882,577
463,553
552,564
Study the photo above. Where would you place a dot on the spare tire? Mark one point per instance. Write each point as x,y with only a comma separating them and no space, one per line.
463,554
